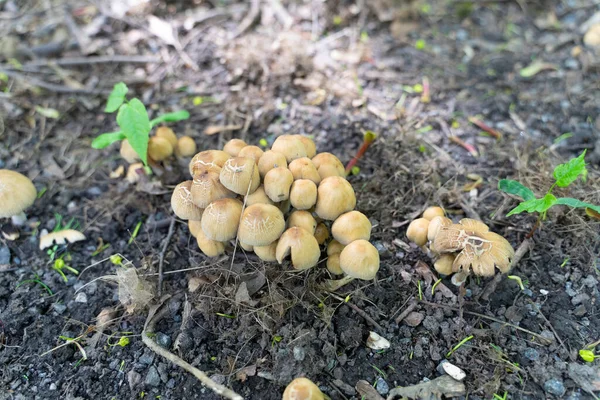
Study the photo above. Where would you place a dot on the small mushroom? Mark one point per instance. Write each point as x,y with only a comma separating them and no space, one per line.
60,237
432,212
303,168
221,218
417,231
321,233
17,193
210,248
303,194
267,253
261,225
478,249
302,389
259,196
253,152
302,246
194,226
335,196
309,145
167,133
351,226
377,342
302,219
135,172
443,264
358,260
182,204
240,175
207,187
269,160
246,246
333,264
334,247
434,226
127,152
234,146
328,165
278,182
159,148
186,147
290,146
208,159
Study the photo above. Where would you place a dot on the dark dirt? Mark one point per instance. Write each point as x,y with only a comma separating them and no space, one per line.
341,70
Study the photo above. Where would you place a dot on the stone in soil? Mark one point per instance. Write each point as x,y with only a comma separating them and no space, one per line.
414,318
382,387
163,340
152,377
555,387
531,354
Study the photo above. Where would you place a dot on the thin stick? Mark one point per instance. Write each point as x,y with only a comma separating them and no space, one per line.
94,60
543,339
161,259
30,80
201,376
407,311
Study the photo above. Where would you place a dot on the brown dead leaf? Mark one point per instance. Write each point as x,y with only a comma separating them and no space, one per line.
246,372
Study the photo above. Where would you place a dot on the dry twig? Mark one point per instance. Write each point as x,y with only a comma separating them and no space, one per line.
161,259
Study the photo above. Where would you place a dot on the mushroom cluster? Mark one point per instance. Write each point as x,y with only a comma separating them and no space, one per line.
17,193
161,146
461,248
278,203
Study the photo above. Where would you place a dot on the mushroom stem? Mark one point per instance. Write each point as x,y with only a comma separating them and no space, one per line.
331,285
18,219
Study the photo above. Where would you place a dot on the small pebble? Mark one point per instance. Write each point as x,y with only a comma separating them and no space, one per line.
528,292
468,293
571,63
555,386
544,292
52,386
4,255
152,377
163,340
59,307
299,353
531,354
580,311
414,318
382,387
134,379
580,298
147,358
81,298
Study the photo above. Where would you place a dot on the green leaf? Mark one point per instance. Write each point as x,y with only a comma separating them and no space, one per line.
568,201
106,139
534,205
517,188
535,67
133,120
170,117
565,174
116,97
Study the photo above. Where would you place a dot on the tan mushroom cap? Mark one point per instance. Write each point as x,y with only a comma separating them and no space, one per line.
17,193
206,159
328,165
127,152
360,259
259,196
159,148
246,246
335,196
478,249
302,246
186,147
253,152
234,146
291,147
277,183
207,187
309,145
417,231
194,226
434,226
333,264
269,160
167,133
134,172
221,218
302,219
303,194
443,264
210,248
302,389
334,247
182,204
267,253
261,225
303,168
432,212
321,233
240,175
351,226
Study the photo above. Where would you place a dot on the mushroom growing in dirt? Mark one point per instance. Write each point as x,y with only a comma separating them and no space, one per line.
303,168
479,250
351,226
208,159
303,194
301,245
182,203
278,182
358,260
186,147
417,231
309,145
290,146
334,248
328,165
159,148
17,193
261,225
335,196
270,160
234,146
211,248
302,219
168,134
221,218
240,175
432,212
253,152
207,187
302,389
127,152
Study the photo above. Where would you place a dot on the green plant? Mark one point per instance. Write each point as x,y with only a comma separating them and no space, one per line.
588,355
564,175
133,119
